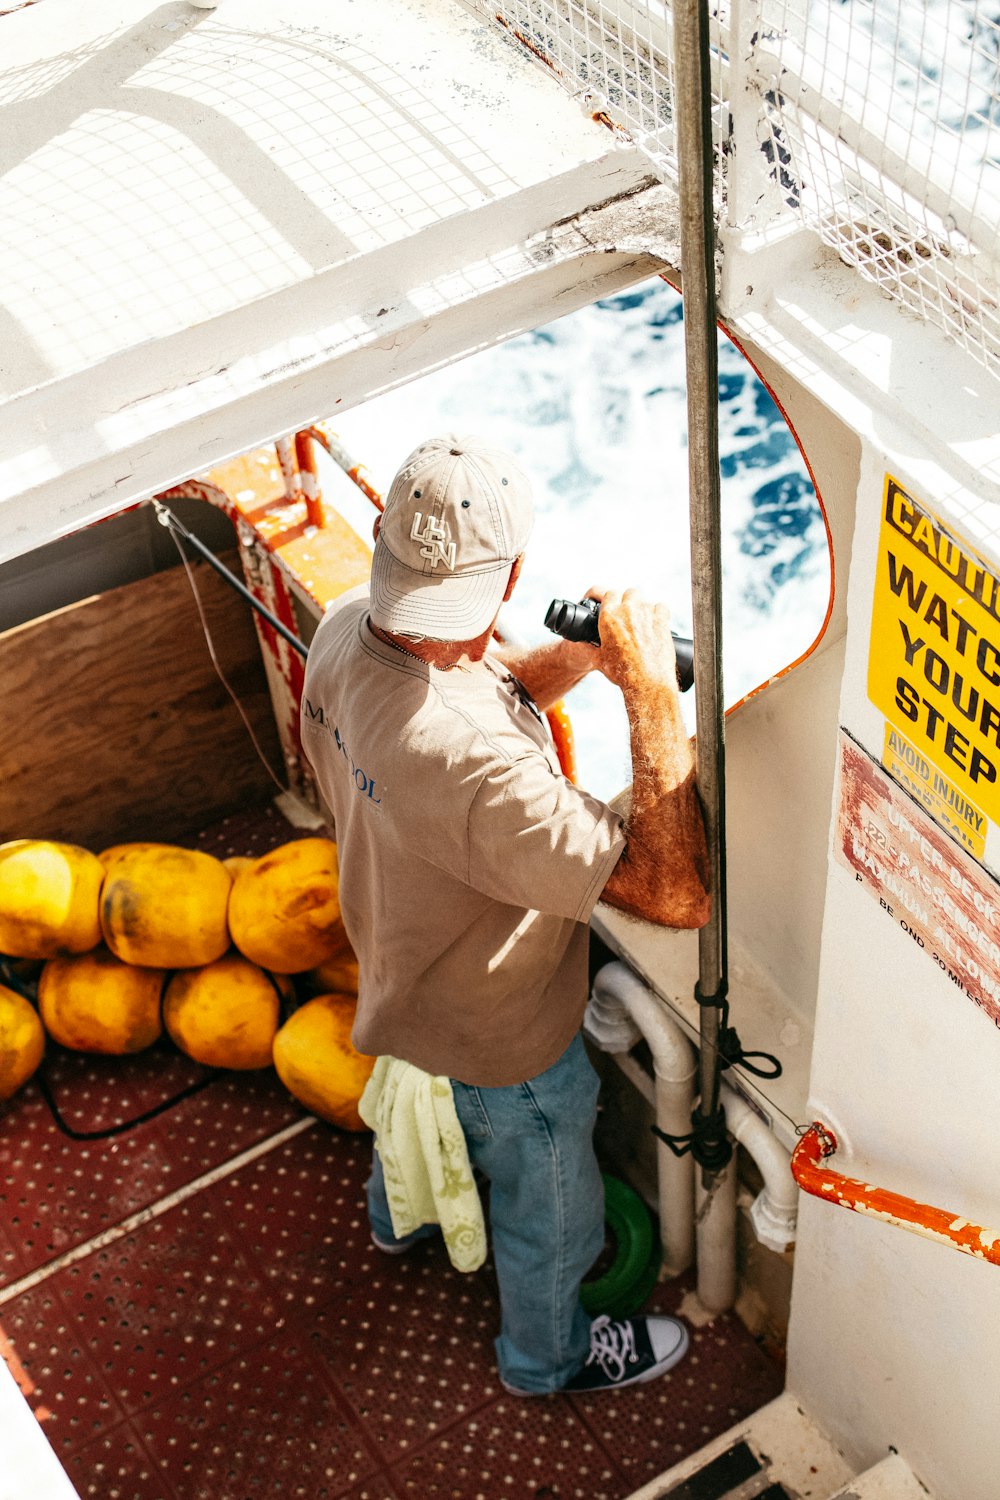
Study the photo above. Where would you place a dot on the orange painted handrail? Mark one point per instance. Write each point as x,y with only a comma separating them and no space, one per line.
305,457
355,471
819,1143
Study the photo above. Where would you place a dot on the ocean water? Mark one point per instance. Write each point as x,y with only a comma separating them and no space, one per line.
594,408
936,62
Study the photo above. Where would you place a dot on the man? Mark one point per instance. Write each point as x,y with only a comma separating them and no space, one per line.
469,868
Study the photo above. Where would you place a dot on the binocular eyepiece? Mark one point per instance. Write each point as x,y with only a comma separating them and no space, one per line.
578,622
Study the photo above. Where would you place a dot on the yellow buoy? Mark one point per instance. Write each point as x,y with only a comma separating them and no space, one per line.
165,907
115,851
225,1014
22,1041
339,973
317,1063
49,899
96,1003
283,912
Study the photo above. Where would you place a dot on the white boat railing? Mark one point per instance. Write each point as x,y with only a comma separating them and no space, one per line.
875,126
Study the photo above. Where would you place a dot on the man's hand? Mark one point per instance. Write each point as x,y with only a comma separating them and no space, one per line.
636,644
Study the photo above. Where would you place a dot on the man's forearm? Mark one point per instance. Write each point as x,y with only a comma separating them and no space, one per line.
550,670
663,872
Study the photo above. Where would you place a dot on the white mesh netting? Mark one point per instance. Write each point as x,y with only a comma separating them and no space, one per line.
877,121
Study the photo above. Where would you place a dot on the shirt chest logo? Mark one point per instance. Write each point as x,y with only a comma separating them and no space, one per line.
363,783
314,716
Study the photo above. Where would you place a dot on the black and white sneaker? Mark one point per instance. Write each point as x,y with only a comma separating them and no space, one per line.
400,1247
629,1352
391,1247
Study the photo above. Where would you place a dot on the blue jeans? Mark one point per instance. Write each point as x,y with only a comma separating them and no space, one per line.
534,1142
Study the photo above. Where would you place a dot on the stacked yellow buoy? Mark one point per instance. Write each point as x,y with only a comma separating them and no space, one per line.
317,1062
48,899
96,1003
164,907
197,945
284,912
337,975
225,1014
22,1041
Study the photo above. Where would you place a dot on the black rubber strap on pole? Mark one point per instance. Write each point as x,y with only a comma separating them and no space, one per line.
728,1046
708,1141
718,998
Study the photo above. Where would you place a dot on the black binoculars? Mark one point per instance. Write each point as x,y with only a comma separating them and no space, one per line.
578,622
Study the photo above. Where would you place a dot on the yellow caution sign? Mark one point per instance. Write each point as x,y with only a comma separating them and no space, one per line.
934,665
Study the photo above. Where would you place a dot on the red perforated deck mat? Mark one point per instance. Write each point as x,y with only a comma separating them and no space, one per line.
189,1331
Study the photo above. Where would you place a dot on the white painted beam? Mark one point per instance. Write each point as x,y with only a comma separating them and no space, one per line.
224,224
164,437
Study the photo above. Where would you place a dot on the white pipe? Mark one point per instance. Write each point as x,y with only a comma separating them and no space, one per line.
622,1009
775,1209
715,1230
772,1214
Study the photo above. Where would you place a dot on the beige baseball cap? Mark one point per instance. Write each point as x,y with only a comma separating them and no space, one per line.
458,513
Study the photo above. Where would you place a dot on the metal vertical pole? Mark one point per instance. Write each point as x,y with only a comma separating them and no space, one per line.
692,115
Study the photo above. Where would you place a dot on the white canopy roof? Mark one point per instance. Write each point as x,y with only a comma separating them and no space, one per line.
220,224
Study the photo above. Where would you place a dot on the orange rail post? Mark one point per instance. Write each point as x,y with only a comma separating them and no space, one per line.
305,455
819,1143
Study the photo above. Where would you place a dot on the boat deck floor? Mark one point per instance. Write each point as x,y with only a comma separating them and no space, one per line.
194,1309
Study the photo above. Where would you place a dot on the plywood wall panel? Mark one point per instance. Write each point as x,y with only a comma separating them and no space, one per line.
115,725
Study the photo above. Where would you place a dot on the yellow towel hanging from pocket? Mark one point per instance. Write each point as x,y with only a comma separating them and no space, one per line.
425,1161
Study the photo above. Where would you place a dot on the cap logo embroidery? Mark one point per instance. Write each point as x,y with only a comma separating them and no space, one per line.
436,539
